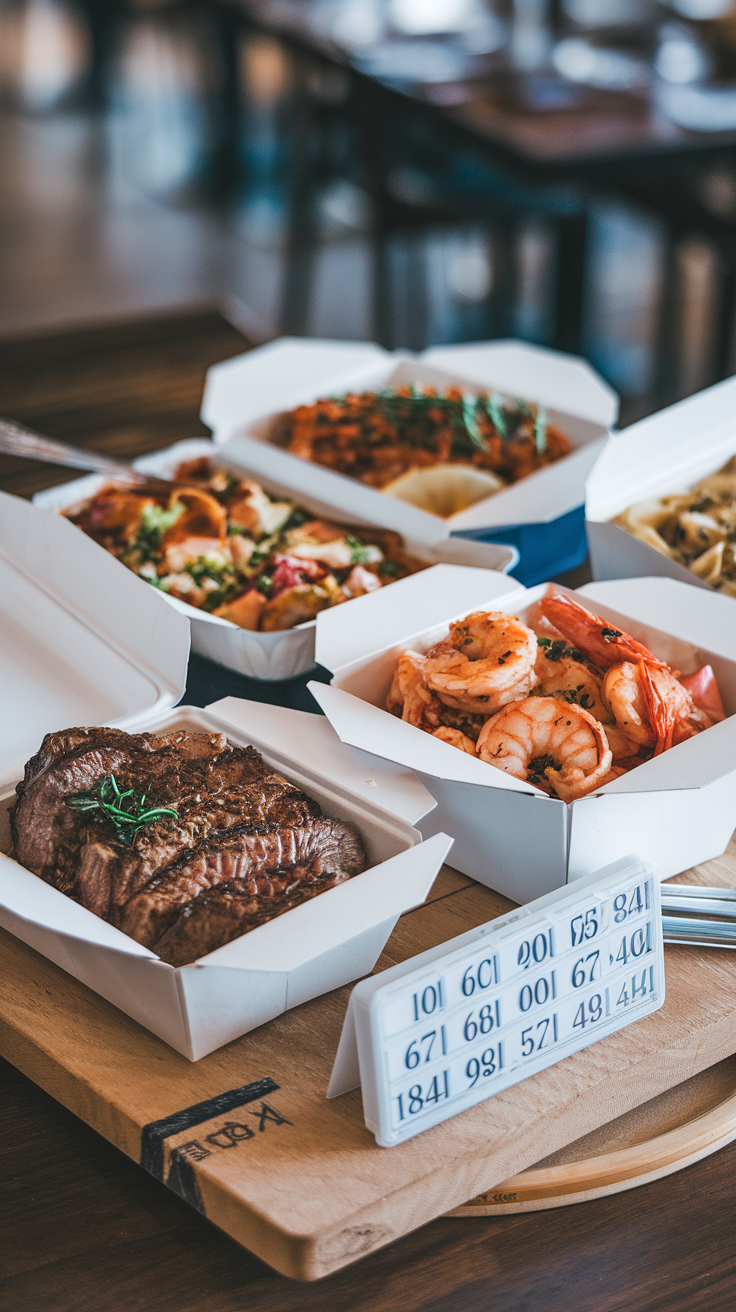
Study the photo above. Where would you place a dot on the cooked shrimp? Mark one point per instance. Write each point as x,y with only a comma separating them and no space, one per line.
537,737
409,695
486,661
597,638
297,605
456,739
651,706
570,681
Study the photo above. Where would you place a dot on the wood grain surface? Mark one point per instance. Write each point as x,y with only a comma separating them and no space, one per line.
84,1228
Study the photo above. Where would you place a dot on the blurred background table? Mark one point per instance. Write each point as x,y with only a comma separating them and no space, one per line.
83,1227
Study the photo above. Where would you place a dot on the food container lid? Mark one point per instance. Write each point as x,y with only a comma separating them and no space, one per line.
552,378
82,639
273,377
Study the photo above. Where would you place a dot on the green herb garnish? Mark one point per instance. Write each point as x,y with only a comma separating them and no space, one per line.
264,583
358,550
610,635
556,649
124,810
540,430
539,764
154,522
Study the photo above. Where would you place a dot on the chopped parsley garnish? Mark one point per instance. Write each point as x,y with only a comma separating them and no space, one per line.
264,583
610,635
154,522
126,812
555,649
388,567
539,764
359,552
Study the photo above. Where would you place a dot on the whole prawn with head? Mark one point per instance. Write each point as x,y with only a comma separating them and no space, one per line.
645,699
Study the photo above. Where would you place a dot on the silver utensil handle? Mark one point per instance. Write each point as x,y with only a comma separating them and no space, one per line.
16,440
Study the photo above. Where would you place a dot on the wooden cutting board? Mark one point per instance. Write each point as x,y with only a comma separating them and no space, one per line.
248,1138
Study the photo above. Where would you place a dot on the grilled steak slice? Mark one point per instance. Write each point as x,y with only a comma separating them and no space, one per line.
228,911
109,875
245,843
163,768
260,861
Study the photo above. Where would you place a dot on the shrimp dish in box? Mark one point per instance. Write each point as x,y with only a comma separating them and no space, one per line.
225,546
566,702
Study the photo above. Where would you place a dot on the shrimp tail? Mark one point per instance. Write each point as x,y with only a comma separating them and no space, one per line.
661,715
596,638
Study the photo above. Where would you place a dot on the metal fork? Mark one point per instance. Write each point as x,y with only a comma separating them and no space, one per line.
17,440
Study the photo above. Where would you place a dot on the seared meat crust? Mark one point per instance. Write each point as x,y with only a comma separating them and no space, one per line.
239,825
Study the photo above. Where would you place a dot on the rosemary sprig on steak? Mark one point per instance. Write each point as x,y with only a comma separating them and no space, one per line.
126,812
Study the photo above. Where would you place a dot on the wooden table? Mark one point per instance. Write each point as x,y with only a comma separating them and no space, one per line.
85,1228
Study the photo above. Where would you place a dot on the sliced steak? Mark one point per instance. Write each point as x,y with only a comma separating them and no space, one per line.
227,912
258,861
110,874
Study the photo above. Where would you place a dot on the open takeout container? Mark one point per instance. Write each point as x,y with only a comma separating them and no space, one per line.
289,652
80,645
663,454
675,811
541,515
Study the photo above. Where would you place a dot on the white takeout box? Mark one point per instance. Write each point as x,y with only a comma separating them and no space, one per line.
286,653
244,396
663,454
81,645
675,811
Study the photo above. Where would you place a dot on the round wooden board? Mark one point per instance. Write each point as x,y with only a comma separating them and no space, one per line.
662,1136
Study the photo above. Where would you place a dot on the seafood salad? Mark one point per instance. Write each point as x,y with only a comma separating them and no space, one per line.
377,437
566,702
696,529
224,545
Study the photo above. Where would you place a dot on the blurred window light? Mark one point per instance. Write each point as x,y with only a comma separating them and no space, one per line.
606,13
358,22
679,58
579,61
469,276
427,17
699,109
52,53
701,9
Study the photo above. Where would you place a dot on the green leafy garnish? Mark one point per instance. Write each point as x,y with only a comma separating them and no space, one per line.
556,649
264,583
539,764
124,810
540,430
359,552
610,635
495,413
154,522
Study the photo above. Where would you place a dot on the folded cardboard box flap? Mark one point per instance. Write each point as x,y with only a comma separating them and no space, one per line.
666,452
55,556
538,498
312,740
246,385
374,730
393,614
564,382
704,619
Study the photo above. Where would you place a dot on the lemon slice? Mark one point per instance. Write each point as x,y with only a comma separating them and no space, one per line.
444,490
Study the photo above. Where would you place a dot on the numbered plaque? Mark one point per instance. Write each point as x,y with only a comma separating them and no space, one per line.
456,1025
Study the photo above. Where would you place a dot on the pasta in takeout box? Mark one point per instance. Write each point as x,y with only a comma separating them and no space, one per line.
661,497
527,830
